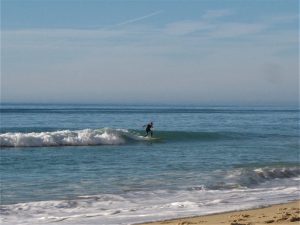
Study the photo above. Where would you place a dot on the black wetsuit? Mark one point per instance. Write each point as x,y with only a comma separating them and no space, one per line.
148,129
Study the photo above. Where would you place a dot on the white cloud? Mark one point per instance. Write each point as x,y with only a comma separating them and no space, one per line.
228,30
284,19
213,30
186,27
215,14
192,26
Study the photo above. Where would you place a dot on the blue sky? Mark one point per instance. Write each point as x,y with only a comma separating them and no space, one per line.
173,52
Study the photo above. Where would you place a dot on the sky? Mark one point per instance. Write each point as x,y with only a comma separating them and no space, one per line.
206,52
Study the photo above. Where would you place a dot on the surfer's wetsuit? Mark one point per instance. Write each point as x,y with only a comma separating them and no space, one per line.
148,129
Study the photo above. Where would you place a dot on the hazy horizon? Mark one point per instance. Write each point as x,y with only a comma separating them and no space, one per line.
153,104
175,53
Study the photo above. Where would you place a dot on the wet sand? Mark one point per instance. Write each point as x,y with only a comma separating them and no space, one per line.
288,213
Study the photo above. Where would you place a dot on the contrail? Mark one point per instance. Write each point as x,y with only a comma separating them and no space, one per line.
139,18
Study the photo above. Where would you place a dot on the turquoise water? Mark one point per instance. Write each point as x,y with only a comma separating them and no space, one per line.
77,164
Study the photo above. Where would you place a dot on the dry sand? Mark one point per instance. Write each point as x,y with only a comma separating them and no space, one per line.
288,213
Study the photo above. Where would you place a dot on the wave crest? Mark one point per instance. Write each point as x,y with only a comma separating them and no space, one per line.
250,177
84,137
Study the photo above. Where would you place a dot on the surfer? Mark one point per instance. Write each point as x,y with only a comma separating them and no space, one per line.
148,129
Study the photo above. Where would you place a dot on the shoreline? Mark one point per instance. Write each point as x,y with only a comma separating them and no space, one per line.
282,213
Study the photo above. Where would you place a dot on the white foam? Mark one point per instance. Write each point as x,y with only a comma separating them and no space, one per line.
142,206
248,177
67,137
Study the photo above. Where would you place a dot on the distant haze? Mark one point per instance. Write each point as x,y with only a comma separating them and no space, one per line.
165,52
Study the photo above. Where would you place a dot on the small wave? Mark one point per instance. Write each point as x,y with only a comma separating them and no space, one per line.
105,136
84,137
109,136
251,178
194,136
248,178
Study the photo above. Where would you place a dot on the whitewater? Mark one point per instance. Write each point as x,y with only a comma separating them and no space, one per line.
107,136
91,164
141,206
68,138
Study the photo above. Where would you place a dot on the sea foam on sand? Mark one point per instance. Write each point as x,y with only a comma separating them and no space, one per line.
288,213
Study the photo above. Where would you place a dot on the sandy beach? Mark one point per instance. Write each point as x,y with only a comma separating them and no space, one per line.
288,213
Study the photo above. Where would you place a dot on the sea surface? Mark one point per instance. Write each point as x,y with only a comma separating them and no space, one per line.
90,164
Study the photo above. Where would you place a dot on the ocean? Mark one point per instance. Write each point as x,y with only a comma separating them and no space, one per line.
90,164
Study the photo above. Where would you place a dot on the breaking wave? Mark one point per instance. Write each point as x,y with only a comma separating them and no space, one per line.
142,206
251,177
84,137
105,136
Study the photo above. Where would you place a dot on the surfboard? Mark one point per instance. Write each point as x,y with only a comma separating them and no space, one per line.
152,138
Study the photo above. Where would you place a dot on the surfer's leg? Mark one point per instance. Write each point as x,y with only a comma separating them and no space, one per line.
151,133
